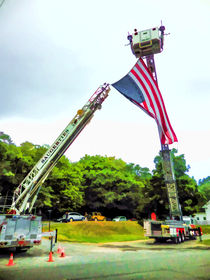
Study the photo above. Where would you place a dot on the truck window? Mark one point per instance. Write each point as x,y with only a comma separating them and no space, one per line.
155,226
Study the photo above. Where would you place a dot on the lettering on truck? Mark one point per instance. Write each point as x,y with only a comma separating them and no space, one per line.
28,180
55,146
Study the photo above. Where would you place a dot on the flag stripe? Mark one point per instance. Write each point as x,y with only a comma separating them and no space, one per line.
159,96
141,86
143,108
150,95
148,91
152,90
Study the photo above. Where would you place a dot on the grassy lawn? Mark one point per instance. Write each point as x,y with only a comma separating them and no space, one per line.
206,229
96,232
206,242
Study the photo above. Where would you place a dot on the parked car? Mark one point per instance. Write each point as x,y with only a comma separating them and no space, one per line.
70,217
133,219
95,216
119,219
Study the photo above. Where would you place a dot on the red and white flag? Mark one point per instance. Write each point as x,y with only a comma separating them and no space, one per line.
140,88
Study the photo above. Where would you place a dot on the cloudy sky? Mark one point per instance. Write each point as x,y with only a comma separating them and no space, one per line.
55,53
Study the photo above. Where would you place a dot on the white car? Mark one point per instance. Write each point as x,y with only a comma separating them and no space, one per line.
119,219
70,217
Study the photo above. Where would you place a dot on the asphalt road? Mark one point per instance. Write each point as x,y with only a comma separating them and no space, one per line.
124,260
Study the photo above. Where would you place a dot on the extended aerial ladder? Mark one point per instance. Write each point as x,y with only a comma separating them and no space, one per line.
145,44
26,193
167,164
21,230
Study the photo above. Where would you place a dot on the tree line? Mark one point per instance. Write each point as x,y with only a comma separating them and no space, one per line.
101,183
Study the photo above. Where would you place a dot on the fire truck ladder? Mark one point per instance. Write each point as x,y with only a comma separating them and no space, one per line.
26,193
175,207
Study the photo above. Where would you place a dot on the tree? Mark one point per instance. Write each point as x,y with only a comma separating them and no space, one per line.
179,164
204,187
189,196
110,186
65,187
155,191
5,138
100,183
61,189
9,157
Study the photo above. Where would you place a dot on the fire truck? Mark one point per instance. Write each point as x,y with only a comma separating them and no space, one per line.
146,44
22,231
18,229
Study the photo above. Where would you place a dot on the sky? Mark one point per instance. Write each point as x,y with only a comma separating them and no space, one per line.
54,54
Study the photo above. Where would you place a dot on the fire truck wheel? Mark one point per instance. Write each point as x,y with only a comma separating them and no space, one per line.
183,237
175,240
180,238
160,240
22,249
157,240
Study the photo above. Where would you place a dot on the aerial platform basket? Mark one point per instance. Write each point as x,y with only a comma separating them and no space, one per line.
146,42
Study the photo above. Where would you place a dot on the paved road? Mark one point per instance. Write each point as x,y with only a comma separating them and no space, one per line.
127,260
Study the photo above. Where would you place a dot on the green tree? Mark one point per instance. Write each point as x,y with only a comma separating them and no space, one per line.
5,138
62,190
110,186
100,183
204,187
65,187
155,191
9,157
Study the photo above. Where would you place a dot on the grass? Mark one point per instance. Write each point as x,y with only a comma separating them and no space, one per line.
206,229
206,242
100,232
97,232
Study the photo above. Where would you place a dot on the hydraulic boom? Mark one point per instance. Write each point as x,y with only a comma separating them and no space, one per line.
145,44
26,193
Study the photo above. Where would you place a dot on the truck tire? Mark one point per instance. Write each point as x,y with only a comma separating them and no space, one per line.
96,219
175,240
22,249
182,236
71,220
160,240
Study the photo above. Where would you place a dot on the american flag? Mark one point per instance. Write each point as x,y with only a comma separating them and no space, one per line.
140,88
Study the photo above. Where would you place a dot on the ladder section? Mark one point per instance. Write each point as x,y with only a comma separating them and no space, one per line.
175,208
30,186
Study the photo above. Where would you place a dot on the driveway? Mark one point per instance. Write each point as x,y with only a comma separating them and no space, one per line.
119,260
